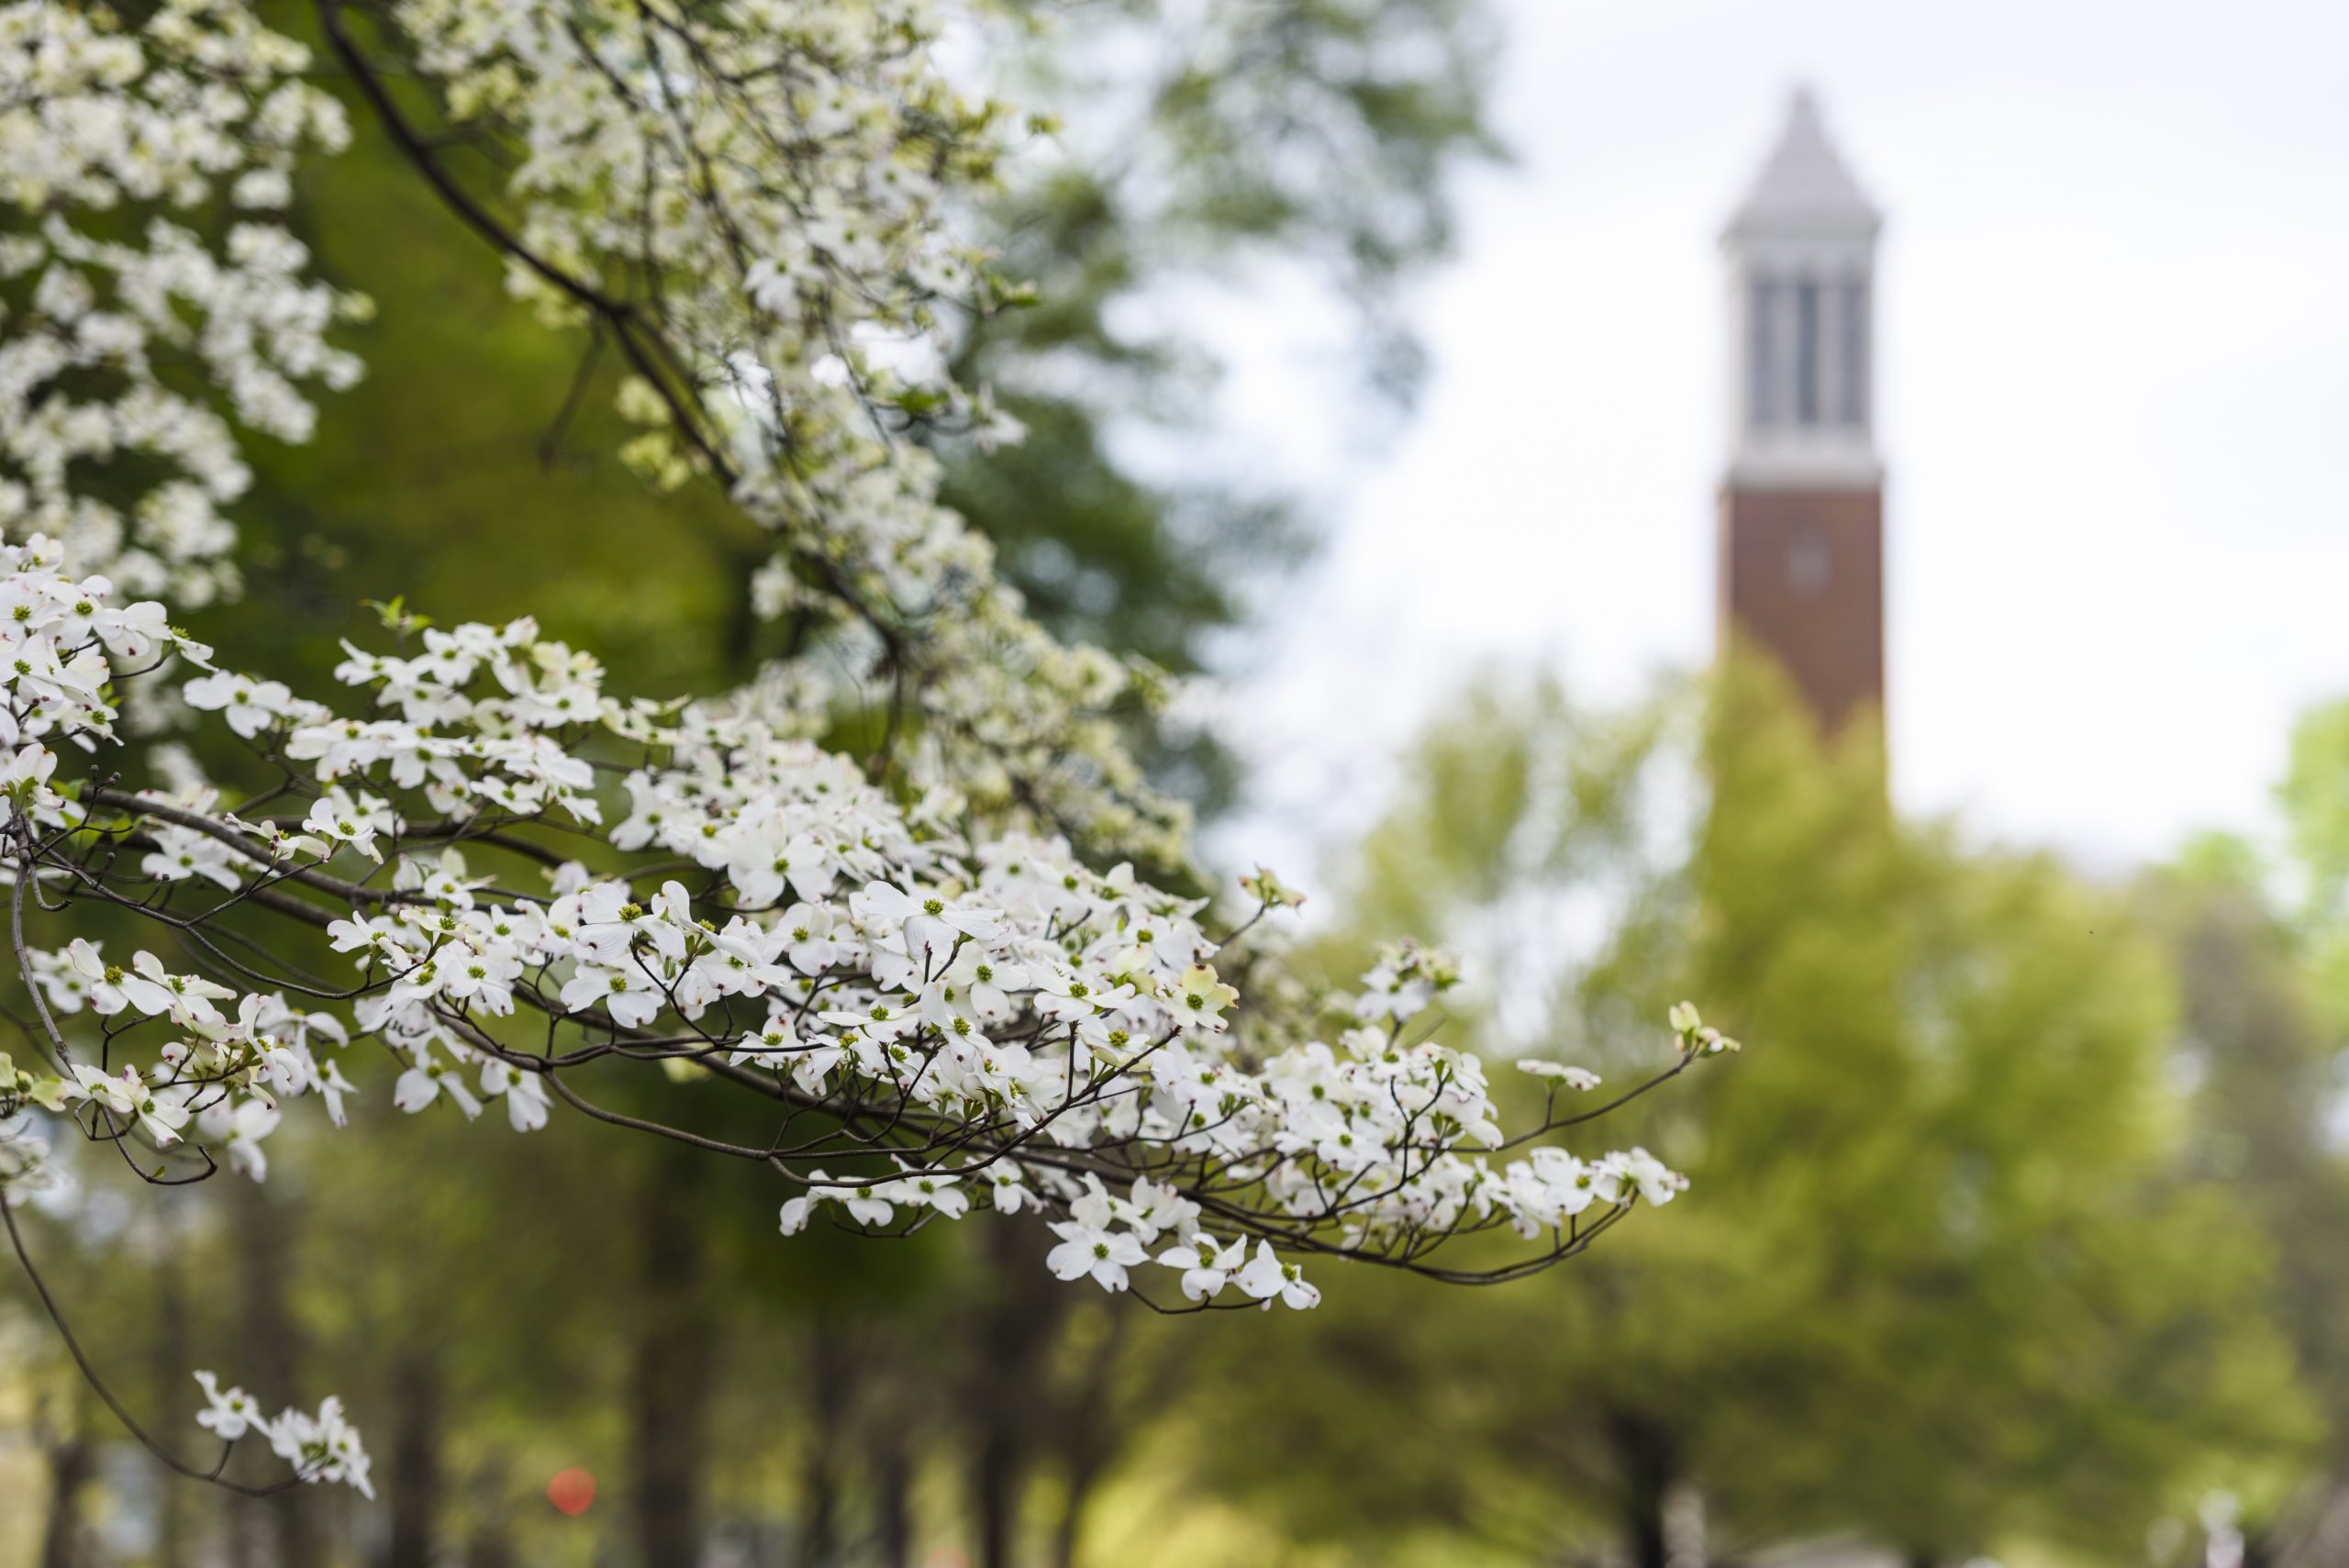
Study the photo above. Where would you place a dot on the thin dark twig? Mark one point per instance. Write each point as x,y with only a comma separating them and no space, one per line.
98,1385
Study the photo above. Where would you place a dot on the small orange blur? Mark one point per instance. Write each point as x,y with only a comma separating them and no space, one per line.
572,1490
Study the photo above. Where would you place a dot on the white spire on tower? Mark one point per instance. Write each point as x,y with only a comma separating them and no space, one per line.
1806,186
1801,255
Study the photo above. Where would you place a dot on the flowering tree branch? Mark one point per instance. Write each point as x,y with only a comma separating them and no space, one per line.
323,1447
531,885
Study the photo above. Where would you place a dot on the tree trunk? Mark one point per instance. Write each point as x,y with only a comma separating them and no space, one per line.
71,1460
893,1524
672,1374
272,1349
1647,1464
995,1492
828,1375
1006,1400
174,1520
1089,1438
413,1497
1066,1528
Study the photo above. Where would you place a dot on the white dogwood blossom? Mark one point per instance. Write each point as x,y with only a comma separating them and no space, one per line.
914,959
120,144
967,1007
324,1447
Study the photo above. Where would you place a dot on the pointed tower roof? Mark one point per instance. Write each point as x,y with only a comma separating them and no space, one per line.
1805,187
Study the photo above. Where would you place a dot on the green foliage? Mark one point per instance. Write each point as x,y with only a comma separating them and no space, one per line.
2261,954
471,472
2314,795
2316,806
1217,145
1944,1277
2266,1062
1468,823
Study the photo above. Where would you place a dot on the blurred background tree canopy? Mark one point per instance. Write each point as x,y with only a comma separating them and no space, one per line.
1955,1282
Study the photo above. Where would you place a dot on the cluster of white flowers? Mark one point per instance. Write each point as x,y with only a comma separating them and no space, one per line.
100,123
223,1073
774,175
324,1447
988,1014
917,963
776,172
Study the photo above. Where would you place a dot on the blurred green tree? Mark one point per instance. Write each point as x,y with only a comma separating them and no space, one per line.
2316,818
1231,146
1944,1279
2261,952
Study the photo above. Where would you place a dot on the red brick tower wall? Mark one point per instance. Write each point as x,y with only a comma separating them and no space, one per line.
1802,577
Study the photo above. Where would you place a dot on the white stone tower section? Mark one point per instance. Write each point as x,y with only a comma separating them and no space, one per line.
1801,255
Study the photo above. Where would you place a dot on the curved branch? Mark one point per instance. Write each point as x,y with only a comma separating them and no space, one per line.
98,1385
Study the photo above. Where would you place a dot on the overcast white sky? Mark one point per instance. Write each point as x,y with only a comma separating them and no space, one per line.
2114,399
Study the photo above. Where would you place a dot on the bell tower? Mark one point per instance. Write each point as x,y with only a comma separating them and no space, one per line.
1801,548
